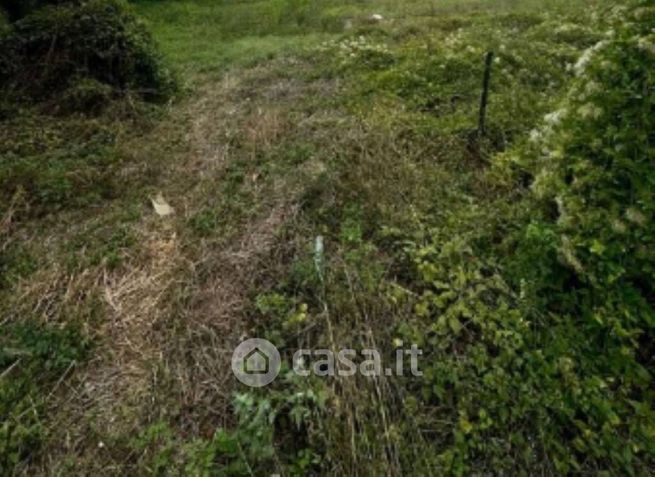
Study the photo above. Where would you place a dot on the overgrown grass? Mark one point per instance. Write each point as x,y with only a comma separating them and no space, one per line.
204,36
308,118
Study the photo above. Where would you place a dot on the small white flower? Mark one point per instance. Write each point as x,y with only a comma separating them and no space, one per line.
619,227
635,216
554,118
590,111
587,56
568,251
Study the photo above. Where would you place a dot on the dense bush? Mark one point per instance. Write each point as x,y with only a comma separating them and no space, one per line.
17,9
51,49
542,358
596,166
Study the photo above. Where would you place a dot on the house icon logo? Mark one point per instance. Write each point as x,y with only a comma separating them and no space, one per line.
256,362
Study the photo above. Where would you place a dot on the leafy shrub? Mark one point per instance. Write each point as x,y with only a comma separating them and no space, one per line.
249,449
542,359
594,166
49,50
596,163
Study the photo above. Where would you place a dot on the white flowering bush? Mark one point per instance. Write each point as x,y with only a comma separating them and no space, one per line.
585,258
596,158
539,344
441,74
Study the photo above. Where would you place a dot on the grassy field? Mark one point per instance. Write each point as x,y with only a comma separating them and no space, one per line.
297,119
206,36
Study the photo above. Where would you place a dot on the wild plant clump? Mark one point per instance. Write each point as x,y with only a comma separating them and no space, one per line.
542,358
595,172
51,49
596,166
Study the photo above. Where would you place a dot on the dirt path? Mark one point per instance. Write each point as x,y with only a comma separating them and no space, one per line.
177,307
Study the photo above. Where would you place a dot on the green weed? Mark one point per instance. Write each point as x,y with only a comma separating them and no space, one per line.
32,358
